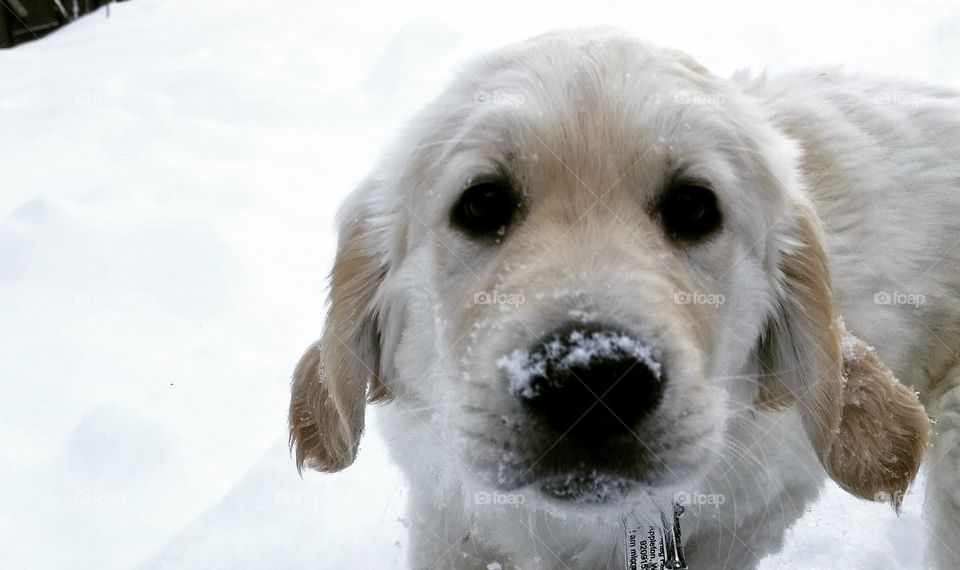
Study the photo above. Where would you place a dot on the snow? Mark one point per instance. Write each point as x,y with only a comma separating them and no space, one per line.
523,366
169,177
588,487
849,348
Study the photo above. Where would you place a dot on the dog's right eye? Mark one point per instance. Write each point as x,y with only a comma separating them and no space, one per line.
690,212
485,209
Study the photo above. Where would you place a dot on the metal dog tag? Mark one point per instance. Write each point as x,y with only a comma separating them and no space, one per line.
654,546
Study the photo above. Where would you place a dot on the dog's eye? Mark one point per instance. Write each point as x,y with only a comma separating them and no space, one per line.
485,209
690,212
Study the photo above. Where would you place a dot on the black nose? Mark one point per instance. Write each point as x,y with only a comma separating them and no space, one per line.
586,380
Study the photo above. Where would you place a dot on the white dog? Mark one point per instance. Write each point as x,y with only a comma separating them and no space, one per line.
593,279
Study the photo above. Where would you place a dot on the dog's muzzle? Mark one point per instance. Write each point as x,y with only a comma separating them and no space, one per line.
587,381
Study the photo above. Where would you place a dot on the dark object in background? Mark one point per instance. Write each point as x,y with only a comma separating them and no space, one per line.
25,20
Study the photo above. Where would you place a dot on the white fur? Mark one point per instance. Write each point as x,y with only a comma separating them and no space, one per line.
601,118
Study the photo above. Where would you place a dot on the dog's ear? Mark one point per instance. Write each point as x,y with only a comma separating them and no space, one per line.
882,420
869,431
337,375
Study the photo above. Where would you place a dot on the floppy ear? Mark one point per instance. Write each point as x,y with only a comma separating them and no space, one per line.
338,374
883,421
869,431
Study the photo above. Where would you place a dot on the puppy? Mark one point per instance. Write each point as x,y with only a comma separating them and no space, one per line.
592,280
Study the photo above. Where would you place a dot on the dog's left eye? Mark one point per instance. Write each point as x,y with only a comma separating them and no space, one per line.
690,212
485,209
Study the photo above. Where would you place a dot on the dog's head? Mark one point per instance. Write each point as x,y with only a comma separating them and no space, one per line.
585,258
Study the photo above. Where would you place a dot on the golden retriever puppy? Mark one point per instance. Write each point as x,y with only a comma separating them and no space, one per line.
592,280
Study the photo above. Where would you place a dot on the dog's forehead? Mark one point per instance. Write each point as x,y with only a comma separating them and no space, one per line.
592,105
587,116
594,85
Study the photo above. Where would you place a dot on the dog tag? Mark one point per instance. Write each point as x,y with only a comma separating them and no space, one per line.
654,546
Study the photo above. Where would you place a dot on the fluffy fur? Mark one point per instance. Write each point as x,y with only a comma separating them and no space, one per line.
839,196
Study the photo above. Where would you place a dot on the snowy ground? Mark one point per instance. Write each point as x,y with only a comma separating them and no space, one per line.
167,185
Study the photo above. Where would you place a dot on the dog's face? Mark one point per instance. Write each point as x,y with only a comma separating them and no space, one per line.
583,260
599,248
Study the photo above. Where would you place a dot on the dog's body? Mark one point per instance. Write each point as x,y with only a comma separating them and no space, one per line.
760,391
882,163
